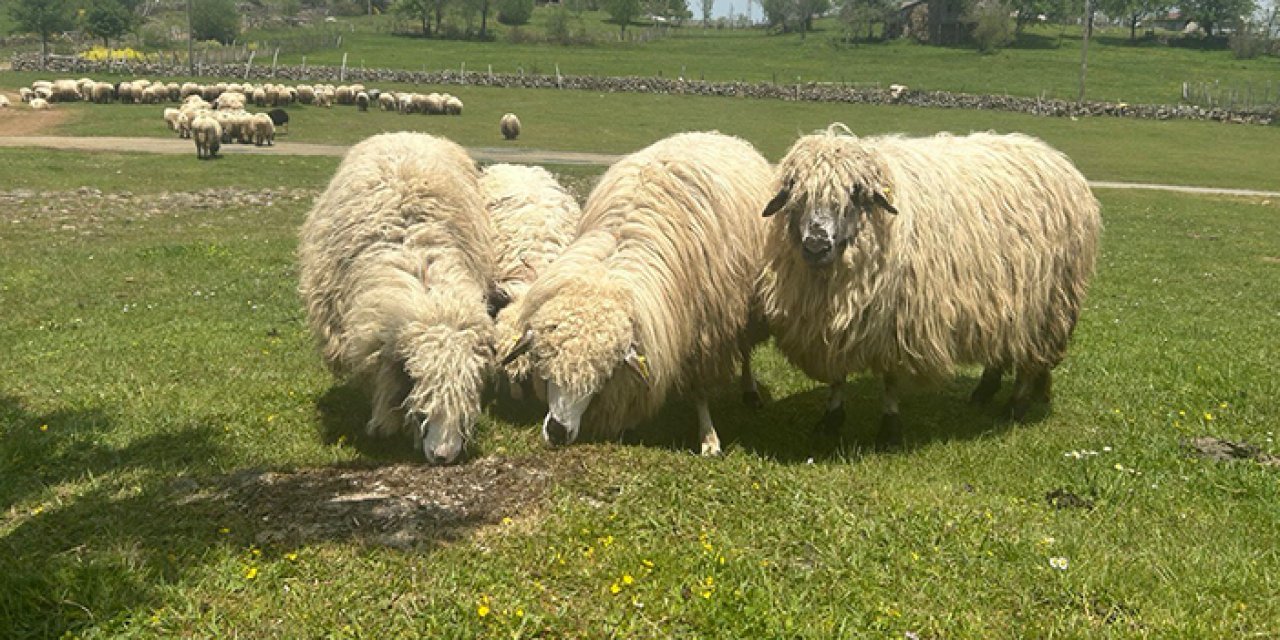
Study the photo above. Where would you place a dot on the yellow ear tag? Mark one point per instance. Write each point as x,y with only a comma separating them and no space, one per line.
644,365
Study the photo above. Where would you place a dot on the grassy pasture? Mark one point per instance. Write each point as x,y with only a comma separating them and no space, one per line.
155,361
1045,61
1194,153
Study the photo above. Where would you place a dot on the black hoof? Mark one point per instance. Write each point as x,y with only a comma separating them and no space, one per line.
832,423
752,399
890,434
1018,409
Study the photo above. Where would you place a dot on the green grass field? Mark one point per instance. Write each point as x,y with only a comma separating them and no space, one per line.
1194,153
157,360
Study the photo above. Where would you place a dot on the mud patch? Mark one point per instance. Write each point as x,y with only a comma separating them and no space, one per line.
1222,450
19,119
1062,498
402,505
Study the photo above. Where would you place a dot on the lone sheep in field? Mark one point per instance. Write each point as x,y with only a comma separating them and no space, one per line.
395,262
911,256
534,219
510,126
654,296
207,134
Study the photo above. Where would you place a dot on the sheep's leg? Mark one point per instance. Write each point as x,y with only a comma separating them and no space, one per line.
890,435
833,420
750,388
706,430
988,386
1030,385
391,386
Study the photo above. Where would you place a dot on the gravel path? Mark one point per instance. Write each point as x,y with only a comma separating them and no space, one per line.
486,154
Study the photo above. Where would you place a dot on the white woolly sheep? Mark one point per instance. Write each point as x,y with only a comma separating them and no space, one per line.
395,258
534,219
344,95
39,104
184,125
510,126
306,94
659,280
4,101
432,104
264,131
171,118
26,94
453,106
908,257
64,91
103,92
387,102
362,101
207,134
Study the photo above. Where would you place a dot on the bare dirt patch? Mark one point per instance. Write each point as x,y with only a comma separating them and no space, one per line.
1226,451
401,505
19,119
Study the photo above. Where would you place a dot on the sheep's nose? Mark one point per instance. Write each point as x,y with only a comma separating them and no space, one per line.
557,435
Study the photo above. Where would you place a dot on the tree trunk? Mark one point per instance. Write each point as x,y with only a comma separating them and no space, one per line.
484,17
1133,28
426,26
44,50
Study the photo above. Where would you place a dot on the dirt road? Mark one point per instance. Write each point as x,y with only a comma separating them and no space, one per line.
485,154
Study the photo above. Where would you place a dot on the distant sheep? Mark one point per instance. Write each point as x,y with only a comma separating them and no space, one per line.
39,104
306,94
453,106
362,101
909,257
395,260
510,126
279,118
534,219
171,118
387,102
264,131
207,134
103,92
64,91
4,101
655,294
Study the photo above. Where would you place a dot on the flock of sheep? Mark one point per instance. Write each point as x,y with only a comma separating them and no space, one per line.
425,277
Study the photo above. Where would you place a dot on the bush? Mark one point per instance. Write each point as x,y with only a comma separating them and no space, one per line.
515,12
992,28
1247,45
215,20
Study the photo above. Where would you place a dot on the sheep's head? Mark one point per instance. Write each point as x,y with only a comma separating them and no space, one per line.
445,368
577,344
828,188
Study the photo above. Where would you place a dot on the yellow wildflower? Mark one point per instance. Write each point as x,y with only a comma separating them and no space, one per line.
482,610
44,427
291,556
251,573
614,589
1208,416
627,579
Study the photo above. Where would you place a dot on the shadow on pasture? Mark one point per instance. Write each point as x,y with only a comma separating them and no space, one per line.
344,410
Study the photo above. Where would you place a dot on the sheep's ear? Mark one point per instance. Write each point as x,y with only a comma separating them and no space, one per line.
520,347
639,364
778,202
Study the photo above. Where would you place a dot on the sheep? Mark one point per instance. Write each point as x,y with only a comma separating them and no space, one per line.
324,98
230,101
279,118
395,259
264,131
44,93
432,104
453,106
39,104
4,101
64,91
187,90
659,281
896,91
510,126
911,256
387,102
534,218
306,94
171,118
207,134
26,94
183,124
344,95
362,101
103,92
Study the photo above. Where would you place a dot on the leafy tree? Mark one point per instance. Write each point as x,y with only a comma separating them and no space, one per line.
109,19
707,6
1133,11
991,25
857,14
1212,14
672,9
793,15
622,12
418,10
43,18
215,20
514,13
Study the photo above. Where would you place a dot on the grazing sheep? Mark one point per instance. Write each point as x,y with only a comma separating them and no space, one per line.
207,134
26,94
395,259
64,91
344,95
324,98
534,219
103,92
510,126
911,256
183,125
39,104
362,101
264,131
453,106
306,94
260,97
387,102
658,283
230,101
279,118
187,90
432,104
4,101
171,118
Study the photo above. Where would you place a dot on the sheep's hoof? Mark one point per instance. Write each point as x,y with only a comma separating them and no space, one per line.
832,422
752,399
987,387
890,435
1018,408
711,449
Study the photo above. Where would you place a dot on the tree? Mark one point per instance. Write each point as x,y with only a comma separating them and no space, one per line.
109,19
514,13
43,18
793,15
418,10
707,6
674,10
622,12
1212,14
857,14
215,20
1133,11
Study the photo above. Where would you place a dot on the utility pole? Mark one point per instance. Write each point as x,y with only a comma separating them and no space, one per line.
1084,45
191,58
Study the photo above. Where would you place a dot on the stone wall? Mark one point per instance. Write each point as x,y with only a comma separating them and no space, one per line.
813,91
